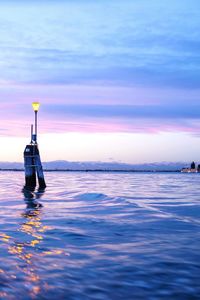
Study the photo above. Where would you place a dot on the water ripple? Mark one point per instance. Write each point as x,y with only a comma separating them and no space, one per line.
100,236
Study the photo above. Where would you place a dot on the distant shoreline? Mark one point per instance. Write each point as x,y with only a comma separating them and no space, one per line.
98,170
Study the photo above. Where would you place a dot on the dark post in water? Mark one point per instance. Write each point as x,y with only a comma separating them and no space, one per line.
32,161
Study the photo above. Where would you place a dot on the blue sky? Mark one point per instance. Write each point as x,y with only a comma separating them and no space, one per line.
98,68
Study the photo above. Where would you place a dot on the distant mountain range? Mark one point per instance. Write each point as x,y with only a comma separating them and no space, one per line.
107,166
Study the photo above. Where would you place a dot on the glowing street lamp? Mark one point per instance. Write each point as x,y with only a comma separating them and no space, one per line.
35,106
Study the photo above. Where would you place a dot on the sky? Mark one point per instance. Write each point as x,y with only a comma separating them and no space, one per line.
118,80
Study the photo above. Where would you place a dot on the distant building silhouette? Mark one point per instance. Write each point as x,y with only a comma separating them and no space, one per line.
192,169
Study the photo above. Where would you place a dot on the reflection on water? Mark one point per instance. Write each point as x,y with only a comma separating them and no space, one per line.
31,198
22,250
100,236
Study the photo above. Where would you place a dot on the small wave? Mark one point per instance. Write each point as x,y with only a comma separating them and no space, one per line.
91,197
152,198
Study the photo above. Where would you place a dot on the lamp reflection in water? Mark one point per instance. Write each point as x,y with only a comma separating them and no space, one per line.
26,252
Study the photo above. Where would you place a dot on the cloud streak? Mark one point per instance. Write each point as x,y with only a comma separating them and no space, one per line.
126,111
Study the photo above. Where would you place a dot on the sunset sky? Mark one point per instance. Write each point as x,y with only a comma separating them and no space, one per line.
118,80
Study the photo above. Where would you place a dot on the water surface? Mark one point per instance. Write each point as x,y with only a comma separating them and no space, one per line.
101,236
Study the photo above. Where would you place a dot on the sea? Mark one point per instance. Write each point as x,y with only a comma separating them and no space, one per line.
100,236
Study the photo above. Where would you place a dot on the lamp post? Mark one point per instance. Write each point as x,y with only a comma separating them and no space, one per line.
32,161
35,106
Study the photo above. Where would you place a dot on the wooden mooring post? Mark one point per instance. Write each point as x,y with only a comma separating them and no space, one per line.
33,167
32,161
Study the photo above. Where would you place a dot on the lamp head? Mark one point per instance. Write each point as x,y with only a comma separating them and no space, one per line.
35,106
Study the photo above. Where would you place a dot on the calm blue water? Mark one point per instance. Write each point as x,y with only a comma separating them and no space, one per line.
101,236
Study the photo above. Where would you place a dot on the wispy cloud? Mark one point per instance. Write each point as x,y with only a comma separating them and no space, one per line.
126,111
